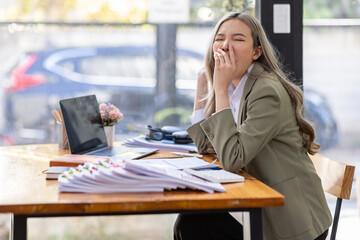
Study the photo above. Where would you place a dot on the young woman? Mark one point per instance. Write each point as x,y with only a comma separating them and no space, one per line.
251,117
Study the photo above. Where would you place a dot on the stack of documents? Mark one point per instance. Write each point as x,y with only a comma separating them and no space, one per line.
130,176
163,145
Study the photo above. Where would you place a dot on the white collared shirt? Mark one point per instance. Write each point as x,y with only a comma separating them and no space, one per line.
235,95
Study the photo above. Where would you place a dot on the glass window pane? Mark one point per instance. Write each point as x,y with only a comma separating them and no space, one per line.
331,54
45,63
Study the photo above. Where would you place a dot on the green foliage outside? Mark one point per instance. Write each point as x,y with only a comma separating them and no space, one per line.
221,7
331,9
135,11
129,11
162,115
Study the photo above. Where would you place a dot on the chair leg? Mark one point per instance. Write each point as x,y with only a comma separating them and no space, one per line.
336,218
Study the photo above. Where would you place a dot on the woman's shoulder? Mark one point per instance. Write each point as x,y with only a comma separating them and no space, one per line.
268,80
260,73
268,84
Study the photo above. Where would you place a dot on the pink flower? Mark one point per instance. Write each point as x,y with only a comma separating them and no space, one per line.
113,115
110,114
102,106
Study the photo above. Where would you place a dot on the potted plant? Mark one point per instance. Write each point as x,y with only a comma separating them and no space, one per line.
110,116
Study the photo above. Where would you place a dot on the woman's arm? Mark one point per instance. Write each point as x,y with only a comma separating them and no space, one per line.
237,146
195,131
201,90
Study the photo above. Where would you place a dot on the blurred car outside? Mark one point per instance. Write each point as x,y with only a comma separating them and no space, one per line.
318,112
124,76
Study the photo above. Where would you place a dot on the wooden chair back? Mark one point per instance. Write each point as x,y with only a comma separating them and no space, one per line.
337,179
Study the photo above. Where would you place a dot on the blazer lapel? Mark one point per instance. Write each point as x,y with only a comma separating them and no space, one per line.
254,74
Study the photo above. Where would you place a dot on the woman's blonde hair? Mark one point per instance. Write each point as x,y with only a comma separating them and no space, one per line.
270,61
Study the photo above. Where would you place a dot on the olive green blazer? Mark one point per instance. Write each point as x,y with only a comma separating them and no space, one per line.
266,143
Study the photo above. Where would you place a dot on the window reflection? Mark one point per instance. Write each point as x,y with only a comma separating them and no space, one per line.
112,54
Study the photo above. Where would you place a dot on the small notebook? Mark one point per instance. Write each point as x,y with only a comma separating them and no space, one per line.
54,172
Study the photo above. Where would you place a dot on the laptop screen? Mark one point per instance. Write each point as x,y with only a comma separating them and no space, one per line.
83,124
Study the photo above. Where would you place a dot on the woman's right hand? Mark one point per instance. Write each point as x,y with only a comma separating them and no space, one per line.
201,90
224,73
224,69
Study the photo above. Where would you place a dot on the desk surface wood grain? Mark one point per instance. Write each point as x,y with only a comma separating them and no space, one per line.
24,190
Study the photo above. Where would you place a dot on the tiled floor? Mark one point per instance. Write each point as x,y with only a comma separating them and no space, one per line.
349,223
349,228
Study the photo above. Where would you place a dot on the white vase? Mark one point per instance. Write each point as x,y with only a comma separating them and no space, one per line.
110,134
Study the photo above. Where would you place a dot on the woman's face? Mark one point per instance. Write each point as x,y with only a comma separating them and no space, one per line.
237,34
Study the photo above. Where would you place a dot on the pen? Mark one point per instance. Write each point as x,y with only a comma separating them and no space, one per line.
187,154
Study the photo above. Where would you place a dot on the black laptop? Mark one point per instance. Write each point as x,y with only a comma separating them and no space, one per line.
86,133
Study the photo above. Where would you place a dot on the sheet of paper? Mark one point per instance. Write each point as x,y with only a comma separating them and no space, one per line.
173,163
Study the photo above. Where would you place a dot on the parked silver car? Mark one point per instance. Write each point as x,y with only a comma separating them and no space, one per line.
124,76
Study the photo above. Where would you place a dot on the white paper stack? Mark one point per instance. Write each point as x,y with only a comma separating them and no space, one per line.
162,145
180,178
174,163
130,176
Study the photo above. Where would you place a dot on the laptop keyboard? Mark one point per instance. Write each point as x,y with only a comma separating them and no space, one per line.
107,152
132,153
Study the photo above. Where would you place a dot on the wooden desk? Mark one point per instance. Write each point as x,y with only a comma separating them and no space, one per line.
25,193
